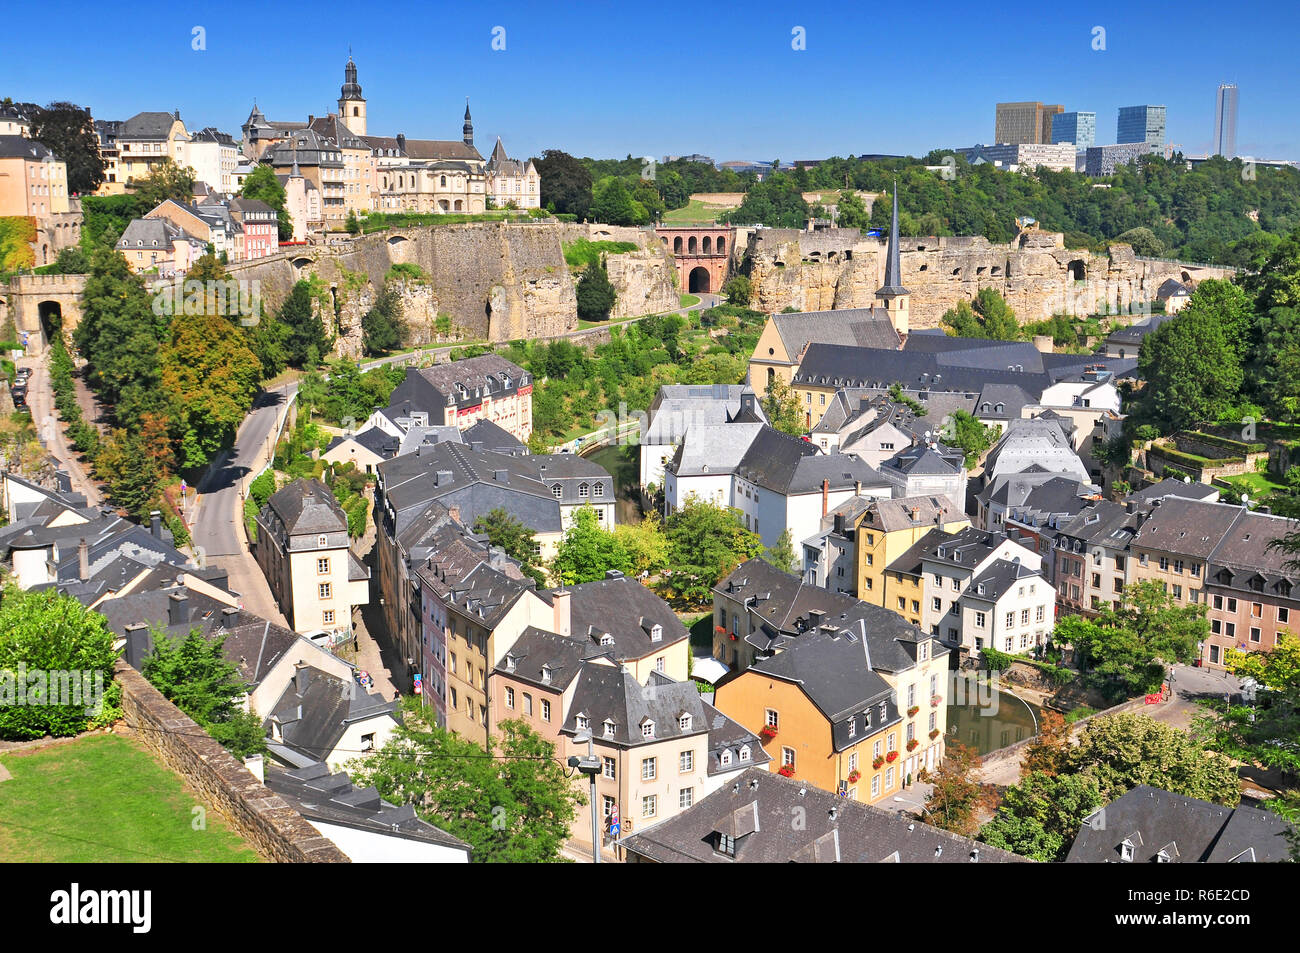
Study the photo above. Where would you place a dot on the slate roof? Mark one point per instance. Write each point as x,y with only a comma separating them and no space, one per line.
756,810
1187,527
1171,486
712,448
1172,288
627,611
458,383
377,441
887,516
547,659
14,147
333,799
569,472
858,327
997,578
835,672
306,507
147,126
1187,830
784,608
492,437
678,407
316,709
790,465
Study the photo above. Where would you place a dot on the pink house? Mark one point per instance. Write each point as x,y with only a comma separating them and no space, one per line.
258,220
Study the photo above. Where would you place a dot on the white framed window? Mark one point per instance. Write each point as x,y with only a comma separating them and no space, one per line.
725,757
648,729
684,723
510,697
686,762
582,722
685,798
607,767
546,710
649,805
787,756
327,617
875,786
323,565
325,590
772,719
649,769
744,753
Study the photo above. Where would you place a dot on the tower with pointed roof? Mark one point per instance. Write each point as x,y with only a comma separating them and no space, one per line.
352,105
894,297
468,128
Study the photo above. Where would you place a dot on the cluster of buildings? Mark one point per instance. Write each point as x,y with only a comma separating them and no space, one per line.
172,236
34,185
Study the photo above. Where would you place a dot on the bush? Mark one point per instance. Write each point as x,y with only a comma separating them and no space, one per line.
996,661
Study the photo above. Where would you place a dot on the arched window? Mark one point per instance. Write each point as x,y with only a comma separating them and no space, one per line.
708,245
722,246
677,245
442,181
691,245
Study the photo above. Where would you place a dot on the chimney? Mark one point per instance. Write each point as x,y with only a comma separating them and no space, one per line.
815,617
916,514
300,677
256,765
139,645
826,493
857,487
839,524
155,524
178,608
454,513
228,615
613,574
500,476
1130,506
563,619
401,142
83,561
442,478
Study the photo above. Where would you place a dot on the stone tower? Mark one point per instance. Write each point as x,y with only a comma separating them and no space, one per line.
892,294
468,137
352,105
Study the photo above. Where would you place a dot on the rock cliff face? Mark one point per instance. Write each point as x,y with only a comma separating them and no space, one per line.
494,281
1038,276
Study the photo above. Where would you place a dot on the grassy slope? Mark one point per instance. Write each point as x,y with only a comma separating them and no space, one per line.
104,799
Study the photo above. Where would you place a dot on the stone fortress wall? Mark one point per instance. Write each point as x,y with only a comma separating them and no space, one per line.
1036,274
496,281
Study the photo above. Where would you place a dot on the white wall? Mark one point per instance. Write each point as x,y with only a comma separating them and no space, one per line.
367,847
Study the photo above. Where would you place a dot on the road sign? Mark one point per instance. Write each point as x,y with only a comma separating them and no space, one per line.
614,826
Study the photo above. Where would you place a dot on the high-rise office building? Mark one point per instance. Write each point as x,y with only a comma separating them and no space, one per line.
1079,128
1225,121
1017,123
1142,124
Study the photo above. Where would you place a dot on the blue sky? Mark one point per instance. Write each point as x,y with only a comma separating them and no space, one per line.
602,78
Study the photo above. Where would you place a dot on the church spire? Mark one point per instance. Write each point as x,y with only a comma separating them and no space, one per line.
893,269
468,128
351,88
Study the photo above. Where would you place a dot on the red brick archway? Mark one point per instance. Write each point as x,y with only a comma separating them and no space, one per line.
702,253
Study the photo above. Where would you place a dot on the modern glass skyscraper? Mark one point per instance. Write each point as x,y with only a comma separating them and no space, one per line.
1142,124
1225,121
1018,123
1076,127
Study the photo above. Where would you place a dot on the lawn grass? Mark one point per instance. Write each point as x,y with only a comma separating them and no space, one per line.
104,799
695,212
689,301
1258,485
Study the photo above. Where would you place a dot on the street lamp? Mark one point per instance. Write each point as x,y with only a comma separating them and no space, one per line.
590,766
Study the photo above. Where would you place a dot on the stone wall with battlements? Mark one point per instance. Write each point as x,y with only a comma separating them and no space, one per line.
1038,276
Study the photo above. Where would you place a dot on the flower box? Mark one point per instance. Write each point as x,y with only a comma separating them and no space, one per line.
878,763
913,710
936,701
892,756
786,771
768,733
934,733
855,777
719,629
911,745
733,637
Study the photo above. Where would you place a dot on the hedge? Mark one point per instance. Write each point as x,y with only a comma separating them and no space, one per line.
1224,443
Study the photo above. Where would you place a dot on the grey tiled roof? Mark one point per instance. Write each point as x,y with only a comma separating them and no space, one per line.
860,327
756,811
147,126
314,716
626,611
1187,830
306,507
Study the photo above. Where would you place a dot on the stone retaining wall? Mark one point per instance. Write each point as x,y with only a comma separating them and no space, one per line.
276,831
1016,751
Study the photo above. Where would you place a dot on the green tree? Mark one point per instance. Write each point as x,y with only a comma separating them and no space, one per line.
955,797
352,225
1143,241
263,185
595,293
512,802
193,674
305,331
739,291
966,433
69,132
210,375
988,316
1039,817
781,406
781,554
588,551
1125,750
705,542
512,537
1263,733
613,203
166,180
644,543
850,212
382,328
566,183
1192,370
45,632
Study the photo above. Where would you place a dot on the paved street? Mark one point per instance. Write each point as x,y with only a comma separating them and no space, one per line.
40,399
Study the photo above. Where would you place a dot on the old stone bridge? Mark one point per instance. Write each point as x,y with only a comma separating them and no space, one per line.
40,303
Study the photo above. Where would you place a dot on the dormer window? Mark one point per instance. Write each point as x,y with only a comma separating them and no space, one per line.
684,723
1126,851
744,752
546,672
606,639
609,728
647,729
510,663
557,491
582,722
322,541
725,758
656,632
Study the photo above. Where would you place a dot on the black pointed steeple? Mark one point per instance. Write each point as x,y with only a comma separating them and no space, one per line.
893,269
468,128
351,88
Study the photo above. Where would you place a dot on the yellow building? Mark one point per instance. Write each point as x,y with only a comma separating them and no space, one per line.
823,714
887,529
33,180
